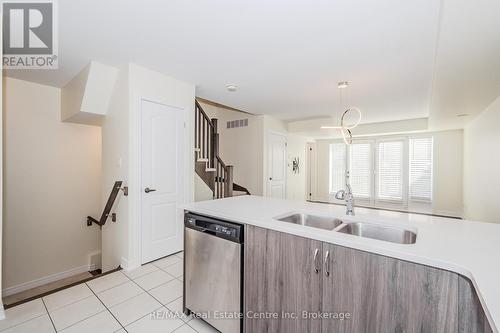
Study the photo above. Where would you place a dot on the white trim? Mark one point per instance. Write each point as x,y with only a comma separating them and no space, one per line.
285,170
135,228
47,279
124,264
448,213
2,312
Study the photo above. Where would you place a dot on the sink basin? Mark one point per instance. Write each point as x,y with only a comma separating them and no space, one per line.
328,223
388,234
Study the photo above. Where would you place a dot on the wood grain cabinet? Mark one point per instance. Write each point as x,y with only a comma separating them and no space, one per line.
357,291
383,294
280,280
471,317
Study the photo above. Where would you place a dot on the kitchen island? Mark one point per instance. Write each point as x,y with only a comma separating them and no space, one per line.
446,281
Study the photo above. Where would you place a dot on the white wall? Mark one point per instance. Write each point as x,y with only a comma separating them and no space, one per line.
52,182
121,240
201,191
296,182
448,173
448,156
482,165
116,166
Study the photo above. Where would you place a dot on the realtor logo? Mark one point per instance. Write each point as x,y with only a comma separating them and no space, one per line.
29,35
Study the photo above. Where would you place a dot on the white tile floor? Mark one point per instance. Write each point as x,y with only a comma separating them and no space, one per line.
118,302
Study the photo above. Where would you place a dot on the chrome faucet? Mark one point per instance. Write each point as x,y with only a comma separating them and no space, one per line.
347,196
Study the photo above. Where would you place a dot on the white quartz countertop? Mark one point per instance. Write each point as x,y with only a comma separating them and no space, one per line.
465,247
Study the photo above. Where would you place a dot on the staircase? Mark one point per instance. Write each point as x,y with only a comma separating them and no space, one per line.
208,164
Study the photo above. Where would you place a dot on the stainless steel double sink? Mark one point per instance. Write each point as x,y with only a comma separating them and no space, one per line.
362,229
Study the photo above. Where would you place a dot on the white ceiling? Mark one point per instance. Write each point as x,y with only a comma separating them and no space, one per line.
285,56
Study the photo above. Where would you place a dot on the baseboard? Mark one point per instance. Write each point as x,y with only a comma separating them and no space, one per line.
124,264
2,312
47,279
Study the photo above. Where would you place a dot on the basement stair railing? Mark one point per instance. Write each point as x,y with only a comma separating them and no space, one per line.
209,165
109,205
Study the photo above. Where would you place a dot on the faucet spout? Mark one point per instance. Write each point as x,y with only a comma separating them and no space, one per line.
347,196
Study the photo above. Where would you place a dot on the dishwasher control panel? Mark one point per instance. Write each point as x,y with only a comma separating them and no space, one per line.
227,230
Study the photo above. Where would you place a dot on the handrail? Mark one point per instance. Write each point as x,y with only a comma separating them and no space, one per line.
109,204
207,143
240,188
200,109
221,162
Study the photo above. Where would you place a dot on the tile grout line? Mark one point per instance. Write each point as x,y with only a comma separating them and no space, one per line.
107,307
156,269
109,287
169,273
48,314
65,305
140,287
174,278
23,322
185,324
162,305
95,314
165,305
147,314
145,291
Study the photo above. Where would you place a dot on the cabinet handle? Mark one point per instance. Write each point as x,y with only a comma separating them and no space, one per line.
327,263
316,266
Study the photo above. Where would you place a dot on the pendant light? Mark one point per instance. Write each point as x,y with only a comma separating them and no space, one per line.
344,128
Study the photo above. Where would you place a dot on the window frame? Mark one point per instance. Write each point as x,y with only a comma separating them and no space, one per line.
422,201
404,177
406,203
365,200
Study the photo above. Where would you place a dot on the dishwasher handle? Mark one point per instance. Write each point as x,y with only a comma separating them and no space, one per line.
205,230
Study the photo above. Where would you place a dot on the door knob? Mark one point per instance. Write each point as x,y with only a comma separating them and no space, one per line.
147,190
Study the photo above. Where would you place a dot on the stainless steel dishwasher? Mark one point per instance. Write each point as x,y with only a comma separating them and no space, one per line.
213,266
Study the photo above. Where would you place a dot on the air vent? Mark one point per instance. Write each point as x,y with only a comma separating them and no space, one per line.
237,123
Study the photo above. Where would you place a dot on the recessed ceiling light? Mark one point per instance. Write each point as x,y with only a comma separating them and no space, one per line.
342,84
463,114
231,87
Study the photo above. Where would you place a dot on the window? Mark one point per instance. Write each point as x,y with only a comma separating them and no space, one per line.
421,169
360,169
385,172
337,166
390,170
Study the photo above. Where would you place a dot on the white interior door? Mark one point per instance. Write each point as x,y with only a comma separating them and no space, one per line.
162,148
276,166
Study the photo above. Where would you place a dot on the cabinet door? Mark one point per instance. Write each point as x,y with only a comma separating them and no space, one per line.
471,316
382,294
280,280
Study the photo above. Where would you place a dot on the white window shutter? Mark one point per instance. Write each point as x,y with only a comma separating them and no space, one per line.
421,169
390,170
360,167
337,166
